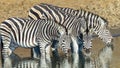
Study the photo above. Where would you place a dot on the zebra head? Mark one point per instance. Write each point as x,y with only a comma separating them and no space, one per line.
64,43
102,31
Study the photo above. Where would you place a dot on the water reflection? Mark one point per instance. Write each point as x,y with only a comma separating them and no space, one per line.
73,61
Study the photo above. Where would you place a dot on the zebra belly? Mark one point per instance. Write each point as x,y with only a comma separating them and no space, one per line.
28,45
14,45
24,44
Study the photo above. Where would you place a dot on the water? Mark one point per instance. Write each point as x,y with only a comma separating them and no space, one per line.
73,61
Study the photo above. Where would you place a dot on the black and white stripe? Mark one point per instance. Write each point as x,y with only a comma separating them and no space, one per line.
28,33
94,24
70,22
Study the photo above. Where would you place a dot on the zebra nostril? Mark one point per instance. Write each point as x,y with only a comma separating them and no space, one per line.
87,51
84,47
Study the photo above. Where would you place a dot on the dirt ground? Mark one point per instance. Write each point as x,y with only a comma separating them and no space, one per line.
109,9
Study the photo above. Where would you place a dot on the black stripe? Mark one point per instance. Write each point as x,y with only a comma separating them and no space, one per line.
5,30
90,26
30,17
31,26
35,29
17,26
6,36
11,29
34,13
43,30
48,30
23,34
20,21
49,10
40,10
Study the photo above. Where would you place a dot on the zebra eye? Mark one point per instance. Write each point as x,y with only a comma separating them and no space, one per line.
63,40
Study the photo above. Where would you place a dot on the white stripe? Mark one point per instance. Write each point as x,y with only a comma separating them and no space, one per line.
92,20
32,15
45,11
14,28
37,11
89,22
55,15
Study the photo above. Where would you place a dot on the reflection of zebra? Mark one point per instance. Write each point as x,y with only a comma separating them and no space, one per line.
29,33
101,61
94,22
27,63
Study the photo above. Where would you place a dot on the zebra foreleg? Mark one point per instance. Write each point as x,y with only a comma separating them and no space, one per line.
74,45
75,60
42,57
6,51
35,52
55,49
48,52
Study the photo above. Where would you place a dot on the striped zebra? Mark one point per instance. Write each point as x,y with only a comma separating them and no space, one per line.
95,23
29,33
68,21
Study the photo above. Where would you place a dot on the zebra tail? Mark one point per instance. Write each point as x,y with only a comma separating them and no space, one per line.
1,47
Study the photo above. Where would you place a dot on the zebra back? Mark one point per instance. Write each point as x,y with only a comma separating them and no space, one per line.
24,31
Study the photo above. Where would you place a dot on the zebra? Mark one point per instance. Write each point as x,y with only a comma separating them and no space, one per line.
29,33
94,23
59,18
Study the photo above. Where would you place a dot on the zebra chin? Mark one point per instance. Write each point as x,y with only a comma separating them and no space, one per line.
87,52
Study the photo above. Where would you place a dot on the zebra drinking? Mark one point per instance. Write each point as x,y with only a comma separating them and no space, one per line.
95,23
29,33
66,20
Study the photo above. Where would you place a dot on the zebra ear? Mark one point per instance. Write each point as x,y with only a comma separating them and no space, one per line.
82,21
103,21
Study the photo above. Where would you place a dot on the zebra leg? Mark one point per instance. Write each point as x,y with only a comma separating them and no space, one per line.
35,52
75,45
48,53
48,58
7,63
6,51
42,57
75,60
81,55
89,62
54,49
